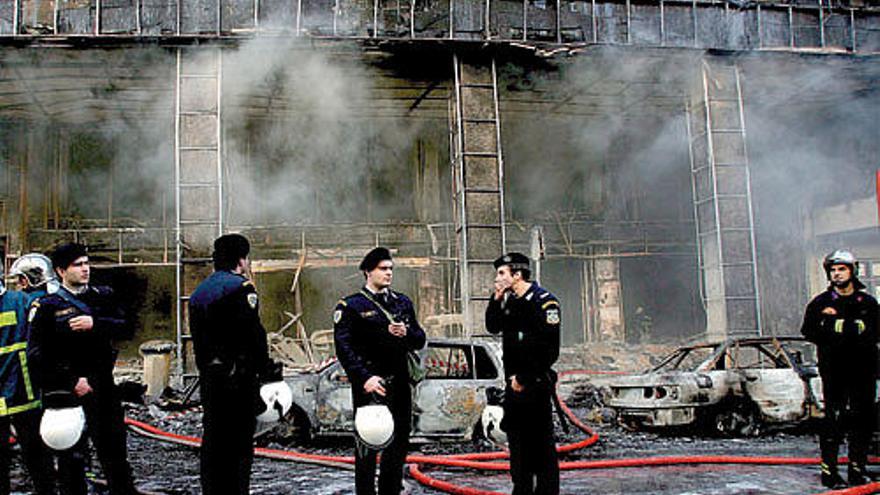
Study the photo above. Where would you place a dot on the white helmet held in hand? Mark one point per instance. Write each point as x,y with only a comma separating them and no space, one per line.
374,425
62,428
278,399
491,420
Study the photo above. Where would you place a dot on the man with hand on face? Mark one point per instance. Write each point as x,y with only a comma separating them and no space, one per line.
842,322
528,317
374,330
71,331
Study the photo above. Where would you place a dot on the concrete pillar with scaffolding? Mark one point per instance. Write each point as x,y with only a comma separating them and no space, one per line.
198,180
478,186
723,203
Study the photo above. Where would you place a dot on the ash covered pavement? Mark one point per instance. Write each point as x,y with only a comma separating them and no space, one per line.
173,469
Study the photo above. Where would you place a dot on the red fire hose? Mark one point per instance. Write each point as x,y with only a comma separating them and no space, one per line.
479,460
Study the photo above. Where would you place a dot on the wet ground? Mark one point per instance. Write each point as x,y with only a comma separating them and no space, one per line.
173,469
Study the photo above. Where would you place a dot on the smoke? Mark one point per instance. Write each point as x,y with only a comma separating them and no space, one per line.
811,123
609,129
307,141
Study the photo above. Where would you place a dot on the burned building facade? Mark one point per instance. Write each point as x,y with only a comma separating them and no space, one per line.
676,168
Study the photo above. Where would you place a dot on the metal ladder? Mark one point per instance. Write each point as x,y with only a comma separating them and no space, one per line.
198,176
722,202
477,169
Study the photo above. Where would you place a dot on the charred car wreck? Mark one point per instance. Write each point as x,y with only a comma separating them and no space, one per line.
733,388
447,404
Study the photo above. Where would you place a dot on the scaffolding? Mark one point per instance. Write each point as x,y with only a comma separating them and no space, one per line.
723,204
697,24
478,180
198,178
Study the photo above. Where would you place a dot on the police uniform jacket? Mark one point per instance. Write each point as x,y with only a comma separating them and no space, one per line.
228,338
847,340
530,327
65,355
17,390
363,344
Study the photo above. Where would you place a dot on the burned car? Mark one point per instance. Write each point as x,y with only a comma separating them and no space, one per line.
735,387
447,403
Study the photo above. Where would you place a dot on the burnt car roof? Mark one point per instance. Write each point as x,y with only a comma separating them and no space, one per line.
330,361
721,345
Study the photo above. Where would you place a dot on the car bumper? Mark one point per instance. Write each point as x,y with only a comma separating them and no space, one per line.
678,416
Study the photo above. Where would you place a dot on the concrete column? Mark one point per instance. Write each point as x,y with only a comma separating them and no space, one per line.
723,203
609,301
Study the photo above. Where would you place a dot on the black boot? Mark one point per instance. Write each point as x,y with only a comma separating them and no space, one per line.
831,478
855,474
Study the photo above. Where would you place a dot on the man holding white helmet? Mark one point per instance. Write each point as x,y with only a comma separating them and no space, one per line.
20,401
233,361
842,322
374,330
71,334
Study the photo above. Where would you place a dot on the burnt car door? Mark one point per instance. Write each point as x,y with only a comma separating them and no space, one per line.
333,409
770,381
451,398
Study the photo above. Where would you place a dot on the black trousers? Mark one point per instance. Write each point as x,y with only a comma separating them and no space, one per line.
106,428
227,452
34,454
528,422
394,455
849,411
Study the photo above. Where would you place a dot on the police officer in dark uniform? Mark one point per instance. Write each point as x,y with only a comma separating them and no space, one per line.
72,331
20,404
842,322
528,317
233,360
373,331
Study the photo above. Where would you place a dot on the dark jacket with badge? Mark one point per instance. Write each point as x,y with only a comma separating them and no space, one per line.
847,340
228,338
530,328
18,392
66,355
364,346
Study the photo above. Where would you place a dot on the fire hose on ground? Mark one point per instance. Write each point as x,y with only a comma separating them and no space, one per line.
483,460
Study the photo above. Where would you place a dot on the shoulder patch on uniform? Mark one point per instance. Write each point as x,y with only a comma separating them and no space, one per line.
548,304
33,312
544,295
337,315
552,316
252,300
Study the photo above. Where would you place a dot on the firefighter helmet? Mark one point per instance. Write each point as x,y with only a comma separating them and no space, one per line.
278,399
62,428
35,267
374,425
491,421
840,257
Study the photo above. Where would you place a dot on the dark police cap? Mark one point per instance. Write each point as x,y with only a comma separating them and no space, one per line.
66,254
516,261
231,247
372,259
